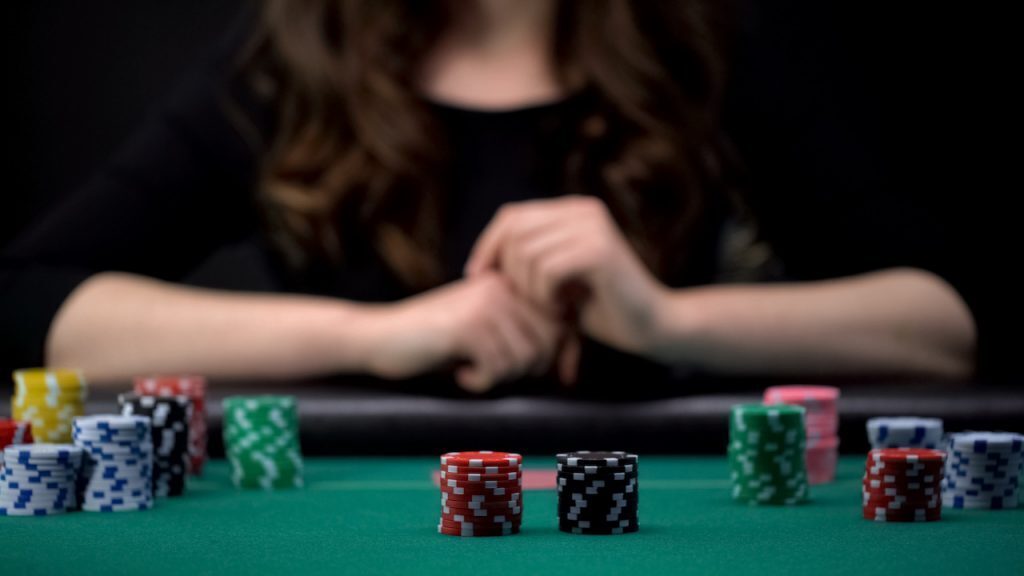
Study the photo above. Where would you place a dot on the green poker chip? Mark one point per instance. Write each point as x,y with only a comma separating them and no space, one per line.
766,454
261,441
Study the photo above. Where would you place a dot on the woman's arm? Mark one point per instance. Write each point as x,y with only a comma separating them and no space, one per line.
115,326
892,322
899,321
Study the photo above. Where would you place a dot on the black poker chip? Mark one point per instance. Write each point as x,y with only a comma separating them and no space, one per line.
597,487
585,457
598,492
607,529
169,416
579,472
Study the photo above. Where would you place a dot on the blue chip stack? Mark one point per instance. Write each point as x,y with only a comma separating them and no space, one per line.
118,463
39,479
905,432
983,470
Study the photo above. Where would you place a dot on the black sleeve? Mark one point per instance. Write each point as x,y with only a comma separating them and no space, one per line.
181,187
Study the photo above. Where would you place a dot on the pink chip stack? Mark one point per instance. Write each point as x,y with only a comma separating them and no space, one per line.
822,422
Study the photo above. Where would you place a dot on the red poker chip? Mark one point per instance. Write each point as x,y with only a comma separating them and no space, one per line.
489,527
492,484
475,503
871,513
889,455
482,521
481,459
902,471
481,512
911,498
458,531
481,525
906,494
891,491
478,477
498,493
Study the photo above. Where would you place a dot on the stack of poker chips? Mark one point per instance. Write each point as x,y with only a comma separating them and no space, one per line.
39,479
261,440
117,472
983,470
481,494
821,421
903,485
766,454
598,492
49,400
905,432
193,388
169,417
14,432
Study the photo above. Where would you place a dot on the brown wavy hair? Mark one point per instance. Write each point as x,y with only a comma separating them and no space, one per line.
354,158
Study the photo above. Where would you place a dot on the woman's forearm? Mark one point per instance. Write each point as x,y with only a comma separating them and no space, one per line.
114,326
894,322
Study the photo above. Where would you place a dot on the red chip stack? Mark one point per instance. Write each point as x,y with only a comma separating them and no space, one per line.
481,494
13,432
903,485
194,388
821,421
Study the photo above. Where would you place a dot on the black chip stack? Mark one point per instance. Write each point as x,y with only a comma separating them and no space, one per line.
170,417
597,492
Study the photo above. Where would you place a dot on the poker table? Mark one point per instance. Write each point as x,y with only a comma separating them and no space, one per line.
379,516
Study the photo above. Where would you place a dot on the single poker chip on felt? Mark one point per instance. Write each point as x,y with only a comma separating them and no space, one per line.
588,458
481,459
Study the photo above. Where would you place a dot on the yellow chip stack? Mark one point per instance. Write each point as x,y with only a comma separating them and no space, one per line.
50,400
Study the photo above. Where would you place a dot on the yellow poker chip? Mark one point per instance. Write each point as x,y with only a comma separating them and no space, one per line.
50,400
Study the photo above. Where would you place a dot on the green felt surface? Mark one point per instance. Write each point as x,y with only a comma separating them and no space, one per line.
379,516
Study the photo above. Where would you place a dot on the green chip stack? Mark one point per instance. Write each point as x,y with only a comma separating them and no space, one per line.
261,440
766,454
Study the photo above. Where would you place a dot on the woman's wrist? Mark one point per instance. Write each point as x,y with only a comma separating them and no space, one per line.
676,324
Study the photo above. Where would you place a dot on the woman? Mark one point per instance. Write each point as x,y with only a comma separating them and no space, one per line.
501,189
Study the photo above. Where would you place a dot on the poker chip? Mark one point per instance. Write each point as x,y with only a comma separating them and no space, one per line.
598,492
117,468
821,423
194,388
905,432
49,400
13,432
481,494
261,441
39,479
465,461
983,470
169,417
766,454
903,485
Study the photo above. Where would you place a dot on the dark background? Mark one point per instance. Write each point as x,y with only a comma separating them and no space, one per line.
928,86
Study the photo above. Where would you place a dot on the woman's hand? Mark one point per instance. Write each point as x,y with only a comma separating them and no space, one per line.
568,257
478,324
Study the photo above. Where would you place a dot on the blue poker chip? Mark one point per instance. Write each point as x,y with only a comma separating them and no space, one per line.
117,474
983,470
